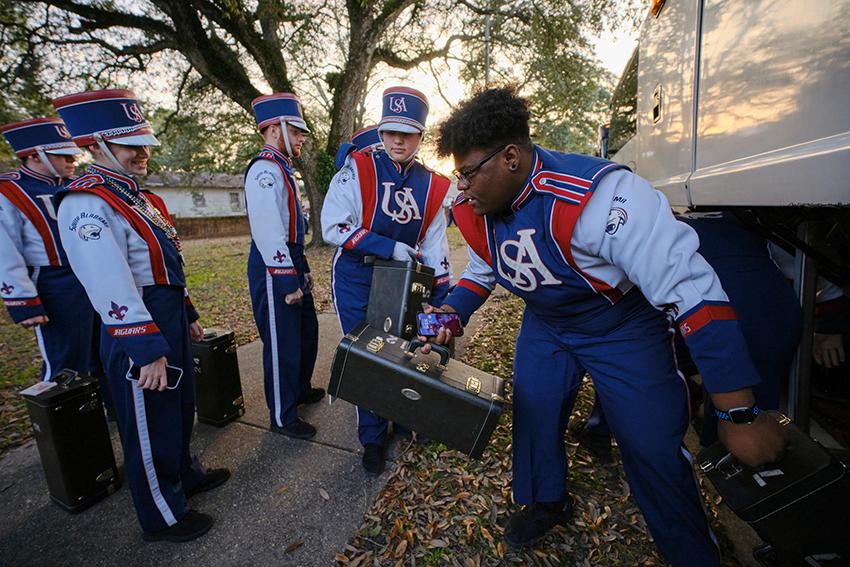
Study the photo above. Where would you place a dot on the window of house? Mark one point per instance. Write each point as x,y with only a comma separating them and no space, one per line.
235,202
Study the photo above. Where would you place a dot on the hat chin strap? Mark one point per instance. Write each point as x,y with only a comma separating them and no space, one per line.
46,161
285,131
101,143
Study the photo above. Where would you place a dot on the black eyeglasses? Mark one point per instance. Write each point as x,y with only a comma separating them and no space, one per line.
465,176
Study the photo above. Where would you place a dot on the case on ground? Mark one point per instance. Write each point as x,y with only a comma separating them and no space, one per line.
447,401
218,388
398,291
800,505
73,439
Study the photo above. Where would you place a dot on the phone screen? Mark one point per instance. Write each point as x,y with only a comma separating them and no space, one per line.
430,323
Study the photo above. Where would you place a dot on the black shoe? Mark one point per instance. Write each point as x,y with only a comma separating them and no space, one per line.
313,396
213,479
597,445
373,459
193,525
298,429
532,522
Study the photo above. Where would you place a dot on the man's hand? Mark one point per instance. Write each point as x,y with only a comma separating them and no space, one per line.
153,376
754,444
294,297
35,321
828,350
196,332
403,252
444,336
309,282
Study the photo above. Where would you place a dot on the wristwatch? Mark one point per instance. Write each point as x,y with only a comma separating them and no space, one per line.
741,415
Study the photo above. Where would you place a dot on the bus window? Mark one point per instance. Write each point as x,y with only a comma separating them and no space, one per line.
624,107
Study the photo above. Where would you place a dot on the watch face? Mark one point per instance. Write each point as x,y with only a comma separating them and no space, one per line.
742,415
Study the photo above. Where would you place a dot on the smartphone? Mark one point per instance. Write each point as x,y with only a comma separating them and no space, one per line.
173,375
429,324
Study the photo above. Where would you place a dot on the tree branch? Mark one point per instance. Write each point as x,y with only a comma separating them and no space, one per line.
392,59
99,18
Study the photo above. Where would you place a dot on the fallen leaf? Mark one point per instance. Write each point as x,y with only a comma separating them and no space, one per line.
281,489
324,494
293,546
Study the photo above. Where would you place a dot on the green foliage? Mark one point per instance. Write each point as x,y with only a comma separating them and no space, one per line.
624,107
210,133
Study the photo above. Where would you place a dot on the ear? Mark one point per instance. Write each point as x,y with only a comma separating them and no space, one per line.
512,156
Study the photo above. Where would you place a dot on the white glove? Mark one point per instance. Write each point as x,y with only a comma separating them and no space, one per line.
403,252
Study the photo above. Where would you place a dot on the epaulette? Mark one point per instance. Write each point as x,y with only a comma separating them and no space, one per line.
85,182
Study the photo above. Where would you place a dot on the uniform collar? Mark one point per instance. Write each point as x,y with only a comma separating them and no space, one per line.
113,176
525,195
279,154
50,180
402,170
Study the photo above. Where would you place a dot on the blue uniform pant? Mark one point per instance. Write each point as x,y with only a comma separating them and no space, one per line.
156,426
66,340
635,376
351,280
290,335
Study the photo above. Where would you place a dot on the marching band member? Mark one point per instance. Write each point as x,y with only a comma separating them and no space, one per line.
384,203
367,137
125,251
36,283
278,273
598,257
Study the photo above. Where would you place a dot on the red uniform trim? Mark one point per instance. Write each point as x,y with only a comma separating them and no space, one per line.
563,222
132,330
368,178
19,302
19,198
475,288
438,187
293,209
355,239
473,229
159,203
89,96
140,225
705,315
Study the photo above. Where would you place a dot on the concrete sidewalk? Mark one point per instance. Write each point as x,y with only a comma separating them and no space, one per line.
275,500
288,502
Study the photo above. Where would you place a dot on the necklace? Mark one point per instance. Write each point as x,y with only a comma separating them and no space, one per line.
144,207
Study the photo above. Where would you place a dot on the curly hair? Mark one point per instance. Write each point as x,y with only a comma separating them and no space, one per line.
491,118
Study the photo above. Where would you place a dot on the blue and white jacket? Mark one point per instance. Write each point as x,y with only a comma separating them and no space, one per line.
581,234
29,238
275,214
373,202
116,252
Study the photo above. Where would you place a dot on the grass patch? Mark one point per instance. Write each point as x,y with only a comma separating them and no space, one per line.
218,283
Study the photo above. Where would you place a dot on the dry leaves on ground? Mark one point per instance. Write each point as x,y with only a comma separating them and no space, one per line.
441,508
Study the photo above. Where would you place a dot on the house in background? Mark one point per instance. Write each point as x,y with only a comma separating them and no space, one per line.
202,204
